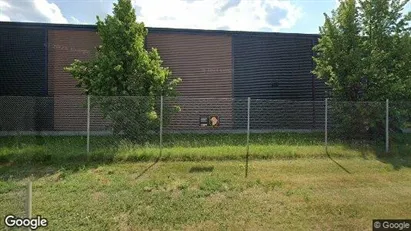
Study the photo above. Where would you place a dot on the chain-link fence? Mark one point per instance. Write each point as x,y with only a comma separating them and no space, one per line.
41,129
286,129
204,128
68,129
183,128
124,128
356,128
399,126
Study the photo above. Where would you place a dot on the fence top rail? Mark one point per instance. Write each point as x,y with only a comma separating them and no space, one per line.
330,100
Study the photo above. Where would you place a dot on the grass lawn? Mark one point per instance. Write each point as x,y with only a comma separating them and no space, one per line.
299,194
59,150
198,183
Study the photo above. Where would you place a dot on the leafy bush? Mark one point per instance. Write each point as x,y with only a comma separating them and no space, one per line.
365,120
135,118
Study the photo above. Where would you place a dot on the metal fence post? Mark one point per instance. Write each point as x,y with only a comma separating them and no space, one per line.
248,136
387,126
161,126
88,123
326,126
29,200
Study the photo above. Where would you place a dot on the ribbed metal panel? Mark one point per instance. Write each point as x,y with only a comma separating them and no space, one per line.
212,64
275,67
278,67
70,113
64,47
192,108
202,61
25,113
22,62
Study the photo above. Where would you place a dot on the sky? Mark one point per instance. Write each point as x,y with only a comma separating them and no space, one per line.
292,16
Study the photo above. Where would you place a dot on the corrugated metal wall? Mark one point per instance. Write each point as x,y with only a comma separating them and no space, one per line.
212,64
22,61
64,46
23,73
204,63
70,113
21,113
273,67
276,67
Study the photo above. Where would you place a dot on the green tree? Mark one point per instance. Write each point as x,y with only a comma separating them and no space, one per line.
364,54
364,51
387,51
123,67
338,59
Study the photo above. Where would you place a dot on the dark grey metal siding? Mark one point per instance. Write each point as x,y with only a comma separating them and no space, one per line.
23,72
22,62
277,67
26,113
273,67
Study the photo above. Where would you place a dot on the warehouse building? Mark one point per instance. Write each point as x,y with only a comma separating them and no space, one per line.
274,69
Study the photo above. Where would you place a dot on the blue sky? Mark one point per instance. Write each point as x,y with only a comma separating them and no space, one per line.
297,16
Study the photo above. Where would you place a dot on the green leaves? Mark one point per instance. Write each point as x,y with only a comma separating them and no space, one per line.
121,60
123,67
364,52
118,68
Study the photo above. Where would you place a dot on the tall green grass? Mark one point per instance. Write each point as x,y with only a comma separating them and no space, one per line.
35,149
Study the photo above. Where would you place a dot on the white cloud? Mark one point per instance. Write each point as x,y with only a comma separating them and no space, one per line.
32,11
75,20
4,18
50,11
3,6
243,15
247,15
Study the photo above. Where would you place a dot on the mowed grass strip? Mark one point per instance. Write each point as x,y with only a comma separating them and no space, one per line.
298,194
186,147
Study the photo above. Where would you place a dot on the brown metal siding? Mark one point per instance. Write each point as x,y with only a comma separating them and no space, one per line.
70,113
188,118
204,63
64,46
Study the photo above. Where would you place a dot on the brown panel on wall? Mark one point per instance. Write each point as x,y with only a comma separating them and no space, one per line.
64,46
188,119
70,113
204,63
